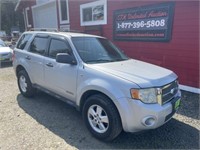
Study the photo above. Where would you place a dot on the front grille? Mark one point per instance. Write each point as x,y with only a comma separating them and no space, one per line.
169,91
3,55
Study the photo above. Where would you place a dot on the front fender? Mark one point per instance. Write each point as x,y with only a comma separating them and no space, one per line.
102,86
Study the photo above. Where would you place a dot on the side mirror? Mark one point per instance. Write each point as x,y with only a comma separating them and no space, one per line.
65,58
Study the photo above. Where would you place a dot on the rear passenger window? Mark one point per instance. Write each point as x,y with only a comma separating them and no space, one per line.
58,46
39,45
23,41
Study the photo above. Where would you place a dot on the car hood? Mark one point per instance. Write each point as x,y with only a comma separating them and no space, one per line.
4,50
143,74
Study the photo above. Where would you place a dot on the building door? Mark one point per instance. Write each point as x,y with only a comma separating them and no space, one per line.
45,15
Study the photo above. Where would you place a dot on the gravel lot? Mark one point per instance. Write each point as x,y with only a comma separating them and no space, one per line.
44,122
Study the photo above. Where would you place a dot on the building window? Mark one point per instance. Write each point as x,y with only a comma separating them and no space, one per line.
94,13
64,11
28,15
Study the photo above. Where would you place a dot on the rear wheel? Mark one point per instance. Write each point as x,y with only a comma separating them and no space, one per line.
24,84
101,117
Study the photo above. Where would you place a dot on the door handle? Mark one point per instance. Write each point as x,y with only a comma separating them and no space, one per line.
49,64
28,57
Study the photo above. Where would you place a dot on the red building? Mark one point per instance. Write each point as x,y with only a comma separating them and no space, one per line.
165,33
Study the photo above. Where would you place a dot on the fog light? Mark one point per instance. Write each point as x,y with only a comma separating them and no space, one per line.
149,121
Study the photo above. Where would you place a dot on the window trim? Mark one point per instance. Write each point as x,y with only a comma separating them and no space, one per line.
60,12
26,14
94,4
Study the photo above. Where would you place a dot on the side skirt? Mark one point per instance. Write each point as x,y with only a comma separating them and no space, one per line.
56,96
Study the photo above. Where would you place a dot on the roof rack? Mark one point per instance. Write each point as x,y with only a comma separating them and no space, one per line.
68,30
44,29
55,30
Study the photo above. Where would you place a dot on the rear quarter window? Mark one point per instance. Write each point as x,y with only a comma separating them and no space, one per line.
23,41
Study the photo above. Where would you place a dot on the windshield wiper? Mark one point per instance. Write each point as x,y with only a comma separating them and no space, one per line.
98,60
106,60
121,59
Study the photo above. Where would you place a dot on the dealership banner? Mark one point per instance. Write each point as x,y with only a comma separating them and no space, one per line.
146,23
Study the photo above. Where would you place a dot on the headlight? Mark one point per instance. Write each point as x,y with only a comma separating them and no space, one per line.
145,95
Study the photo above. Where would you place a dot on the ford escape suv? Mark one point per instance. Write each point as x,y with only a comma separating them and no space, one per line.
112,91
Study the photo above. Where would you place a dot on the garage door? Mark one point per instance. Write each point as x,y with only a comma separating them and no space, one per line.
45,16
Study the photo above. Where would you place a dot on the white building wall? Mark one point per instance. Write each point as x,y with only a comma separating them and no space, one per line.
45,15
38,2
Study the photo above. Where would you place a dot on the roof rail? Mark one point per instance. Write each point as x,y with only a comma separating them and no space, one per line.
68,30
44,29
55,30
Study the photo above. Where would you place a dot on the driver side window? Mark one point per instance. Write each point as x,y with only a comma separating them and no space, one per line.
58,46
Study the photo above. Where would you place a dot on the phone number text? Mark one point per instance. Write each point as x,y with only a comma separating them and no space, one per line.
142,24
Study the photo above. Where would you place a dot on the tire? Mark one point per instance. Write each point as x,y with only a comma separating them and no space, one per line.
101,117
24,84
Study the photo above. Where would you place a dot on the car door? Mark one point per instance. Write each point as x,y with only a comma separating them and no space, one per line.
21,52
59,77
35,58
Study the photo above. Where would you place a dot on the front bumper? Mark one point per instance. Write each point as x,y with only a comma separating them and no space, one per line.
137,116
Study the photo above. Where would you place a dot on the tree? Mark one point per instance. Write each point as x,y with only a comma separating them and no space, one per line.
9,17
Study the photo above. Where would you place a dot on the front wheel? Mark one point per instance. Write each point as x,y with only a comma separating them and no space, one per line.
101,117
24,84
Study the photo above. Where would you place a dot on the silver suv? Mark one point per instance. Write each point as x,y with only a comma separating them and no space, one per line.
112,91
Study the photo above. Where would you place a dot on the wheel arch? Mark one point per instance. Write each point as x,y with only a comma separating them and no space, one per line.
85,95
114,116
19,68
89,93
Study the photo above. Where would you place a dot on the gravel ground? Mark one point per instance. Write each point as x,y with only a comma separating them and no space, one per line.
44,122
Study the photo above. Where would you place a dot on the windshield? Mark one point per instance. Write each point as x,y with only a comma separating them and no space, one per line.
97,50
